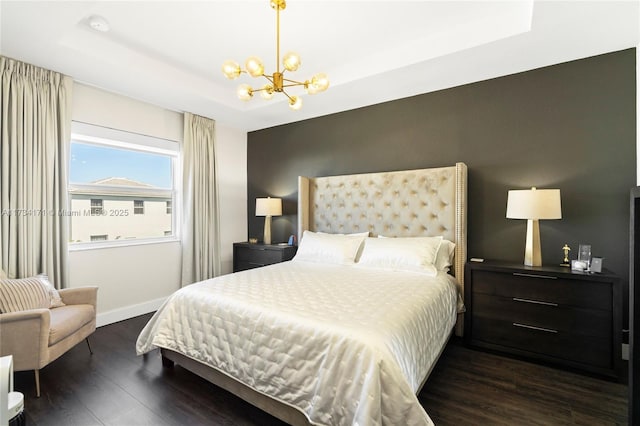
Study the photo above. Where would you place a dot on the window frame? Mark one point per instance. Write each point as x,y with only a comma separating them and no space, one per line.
112,138
96,210
138,207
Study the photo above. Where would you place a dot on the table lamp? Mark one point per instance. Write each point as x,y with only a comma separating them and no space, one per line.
268,207
533,204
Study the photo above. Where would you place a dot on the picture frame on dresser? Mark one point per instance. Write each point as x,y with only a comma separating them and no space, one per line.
547,314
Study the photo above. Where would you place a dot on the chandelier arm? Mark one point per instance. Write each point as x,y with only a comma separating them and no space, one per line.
287,95
295,81
293,85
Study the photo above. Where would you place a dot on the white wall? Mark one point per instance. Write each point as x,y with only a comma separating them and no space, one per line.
136,279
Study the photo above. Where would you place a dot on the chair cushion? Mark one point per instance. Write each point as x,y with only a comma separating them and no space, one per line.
66,320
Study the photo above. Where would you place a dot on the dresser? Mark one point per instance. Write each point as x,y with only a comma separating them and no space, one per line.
546,313
248,256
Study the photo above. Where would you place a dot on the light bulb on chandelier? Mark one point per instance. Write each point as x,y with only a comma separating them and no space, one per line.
277,82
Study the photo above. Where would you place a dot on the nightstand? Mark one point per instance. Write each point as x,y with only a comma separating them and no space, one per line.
249,256
546,313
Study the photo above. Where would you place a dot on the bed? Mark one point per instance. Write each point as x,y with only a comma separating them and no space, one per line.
320,342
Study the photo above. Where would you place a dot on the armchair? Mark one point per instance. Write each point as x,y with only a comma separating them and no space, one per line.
39,336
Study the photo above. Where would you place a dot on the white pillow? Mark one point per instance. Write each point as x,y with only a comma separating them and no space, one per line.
444,257
355,234
329,248
402,254
56,300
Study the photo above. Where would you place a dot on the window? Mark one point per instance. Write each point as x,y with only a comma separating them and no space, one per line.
96,207
138,207
122,186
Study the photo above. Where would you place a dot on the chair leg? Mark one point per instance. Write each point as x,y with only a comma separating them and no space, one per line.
37,374
89,345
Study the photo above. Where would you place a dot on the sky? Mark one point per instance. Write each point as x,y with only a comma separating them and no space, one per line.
90,163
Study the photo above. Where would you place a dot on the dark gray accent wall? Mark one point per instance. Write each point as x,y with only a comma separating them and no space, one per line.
570,126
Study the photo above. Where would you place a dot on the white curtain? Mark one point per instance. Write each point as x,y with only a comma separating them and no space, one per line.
200,230
35,116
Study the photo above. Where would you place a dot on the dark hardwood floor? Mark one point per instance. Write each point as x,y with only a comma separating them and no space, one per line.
115,387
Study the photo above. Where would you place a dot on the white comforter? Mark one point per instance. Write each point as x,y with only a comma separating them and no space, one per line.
343,344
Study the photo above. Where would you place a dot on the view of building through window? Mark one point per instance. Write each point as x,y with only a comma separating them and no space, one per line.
120,191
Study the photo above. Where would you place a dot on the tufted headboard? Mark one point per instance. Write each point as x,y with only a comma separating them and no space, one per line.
411,203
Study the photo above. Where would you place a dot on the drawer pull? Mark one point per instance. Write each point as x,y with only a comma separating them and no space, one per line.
531,327
546,277
537,302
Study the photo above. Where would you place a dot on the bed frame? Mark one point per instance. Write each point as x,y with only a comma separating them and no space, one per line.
425,202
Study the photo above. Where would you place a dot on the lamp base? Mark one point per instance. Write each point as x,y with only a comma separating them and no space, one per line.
267,230
532,252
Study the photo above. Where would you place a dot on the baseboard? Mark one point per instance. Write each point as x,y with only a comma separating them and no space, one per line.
121,314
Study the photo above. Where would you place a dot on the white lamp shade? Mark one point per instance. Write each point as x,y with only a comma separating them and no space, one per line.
268,206
534,204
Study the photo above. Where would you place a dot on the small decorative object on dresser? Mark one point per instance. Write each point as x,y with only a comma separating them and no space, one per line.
596,264
565,260
584,254
579,265
249,256
550,314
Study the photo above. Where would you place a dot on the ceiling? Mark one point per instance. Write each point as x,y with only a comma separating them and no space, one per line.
169,53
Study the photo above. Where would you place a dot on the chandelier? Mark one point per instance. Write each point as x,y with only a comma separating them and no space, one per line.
277,81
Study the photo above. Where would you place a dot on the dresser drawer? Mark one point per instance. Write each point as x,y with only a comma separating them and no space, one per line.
259,256
249,256
244,265
588,350
580,321
544,288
